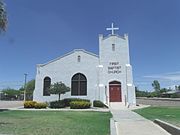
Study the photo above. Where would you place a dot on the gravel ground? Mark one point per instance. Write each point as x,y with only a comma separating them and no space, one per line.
158,102
10,104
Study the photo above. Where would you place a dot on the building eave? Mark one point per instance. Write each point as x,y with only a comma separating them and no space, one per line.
69,53
116,35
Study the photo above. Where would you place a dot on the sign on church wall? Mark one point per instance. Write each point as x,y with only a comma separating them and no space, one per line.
114,68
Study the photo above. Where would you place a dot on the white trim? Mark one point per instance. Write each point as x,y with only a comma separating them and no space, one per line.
129,84
104,38
101,85
128,65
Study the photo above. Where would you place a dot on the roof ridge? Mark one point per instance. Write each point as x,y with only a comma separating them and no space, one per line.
71,52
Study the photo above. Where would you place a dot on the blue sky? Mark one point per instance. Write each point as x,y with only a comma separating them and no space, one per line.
41,30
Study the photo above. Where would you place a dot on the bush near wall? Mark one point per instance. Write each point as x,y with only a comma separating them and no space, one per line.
98,103
40,105
80,105
29,104
67,101
57,104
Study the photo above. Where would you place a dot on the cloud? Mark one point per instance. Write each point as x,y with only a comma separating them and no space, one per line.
142,83
172,76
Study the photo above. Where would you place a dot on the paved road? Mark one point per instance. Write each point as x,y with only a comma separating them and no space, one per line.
10,104
130,123
158,102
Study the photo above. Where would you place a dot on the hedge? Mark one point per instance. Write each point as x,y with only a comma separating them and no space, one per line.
40,105
29,104
57,104
80,104
67,101
98,103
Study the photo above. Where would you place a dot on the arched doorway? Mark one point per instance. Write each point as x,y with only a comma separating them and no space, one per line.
115,91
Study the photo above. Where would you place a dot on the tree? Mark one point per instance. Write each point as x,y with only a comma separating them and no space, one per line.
30,86
140,93
163,90
179,87
3,17
156,86
10,94
58,88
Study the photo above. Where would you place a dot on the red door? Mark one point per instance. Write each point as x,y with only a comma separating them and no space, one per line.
115,93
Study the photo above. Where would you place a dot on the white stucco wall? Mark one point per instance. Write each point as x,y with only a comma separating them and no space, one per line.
120,56
63,69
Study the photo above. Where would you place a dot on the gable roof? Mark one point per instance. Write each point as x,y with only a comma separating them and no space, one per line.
75,50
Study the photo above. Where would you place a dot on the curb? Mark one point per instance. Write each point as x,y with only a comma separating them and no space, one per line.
168,127
61,109
161,99
112,127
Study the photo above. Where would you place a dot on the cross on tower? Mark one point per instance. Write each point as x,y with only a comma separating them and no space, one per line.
112,29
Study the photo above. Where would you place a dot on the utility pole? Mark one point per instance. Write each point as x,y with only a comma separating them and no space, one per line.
0,95
25,78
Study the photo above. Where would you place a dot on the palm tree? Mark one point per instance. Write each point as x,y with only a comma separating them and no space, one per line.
3,17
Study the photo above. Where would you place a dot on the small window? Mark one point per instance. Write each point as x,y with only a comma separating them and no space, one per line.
79,58
113,47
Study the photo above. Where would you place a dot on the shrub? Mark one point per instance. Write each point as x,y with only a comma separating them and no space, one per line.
153,94
29,104
175,95
67,101
80,104
57,104
98,103
40,105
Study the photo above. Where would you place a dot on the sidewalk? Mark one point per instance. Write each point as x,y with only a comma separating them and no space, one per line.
130,123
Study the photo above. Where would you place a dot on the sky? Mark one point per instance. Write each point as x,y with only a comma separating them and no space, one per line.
42,30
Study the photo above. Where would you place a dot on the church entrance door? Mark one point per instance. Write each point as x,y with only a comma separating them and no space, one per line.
115,91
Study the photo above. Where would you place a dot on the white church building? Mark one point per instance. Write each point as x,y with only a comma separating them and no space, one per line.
106,77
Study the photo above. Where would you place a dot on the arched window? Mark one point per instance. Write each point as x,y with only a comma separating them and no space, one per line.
79,85
47,83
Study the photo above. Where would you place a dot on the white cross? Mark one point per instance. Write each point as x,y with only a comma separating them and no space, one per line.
112,28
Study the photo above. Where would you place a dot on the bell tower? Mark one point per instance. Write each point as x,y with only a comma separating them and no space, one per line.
115,67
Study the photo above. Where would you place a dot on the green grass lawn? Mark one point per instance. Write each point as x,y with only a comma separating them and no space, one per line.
168,114
54,123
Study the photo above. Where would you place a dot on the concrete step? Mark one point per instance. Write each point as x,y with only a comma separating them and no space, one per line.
117,106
